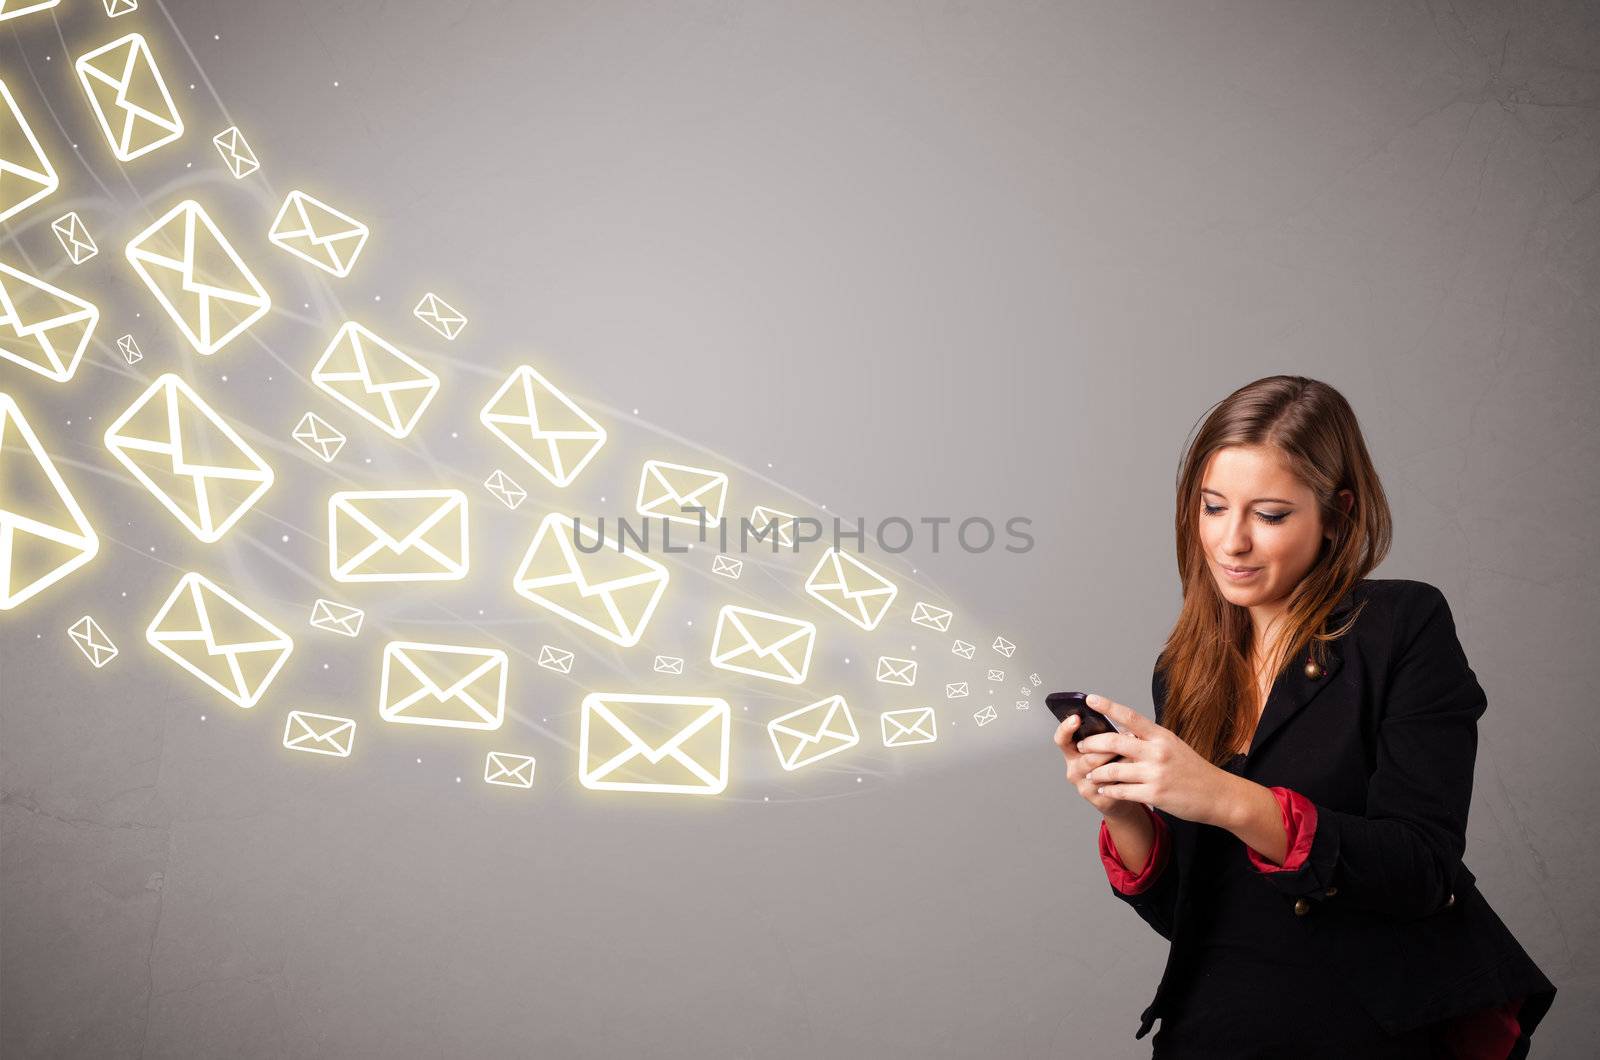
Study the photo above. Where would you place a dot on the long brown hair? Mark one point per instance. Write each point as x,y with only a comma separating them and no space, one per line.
1210,690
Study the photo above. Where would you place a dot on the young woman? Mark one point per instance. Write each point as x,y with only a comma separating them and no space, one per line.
1293,821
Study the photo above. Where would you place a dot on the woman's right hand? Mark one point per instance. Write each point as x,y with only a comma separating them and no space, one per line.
1080,764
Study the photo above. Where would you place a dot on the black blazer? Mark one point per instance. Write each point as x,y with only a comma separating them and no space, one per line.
1383,742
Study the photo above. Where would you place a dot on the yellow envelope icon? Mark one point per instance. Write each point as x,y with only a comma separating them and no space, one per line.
727,566
398,536
235,152
963,649
675,491
955,690
904,728
892,671
115,8
74,237
611,590
1004,647
851,588
763,644
337,618
26,175
557,659
812,733
13,8
44,535
935,618
92,641
375,380
129,98
985,716
505,489
313,231
669,744
43,328
319,734
769,524
508,770
543,426
129,349
198,277
444,685
188,458
209,633
440,315
668,664
319,437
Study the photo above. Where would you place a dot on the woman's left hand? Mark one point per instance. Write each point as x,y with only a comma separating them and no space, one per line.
1157,767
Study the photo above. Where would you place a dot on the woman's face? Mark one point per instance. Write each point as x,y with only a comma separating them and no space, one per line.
1257,516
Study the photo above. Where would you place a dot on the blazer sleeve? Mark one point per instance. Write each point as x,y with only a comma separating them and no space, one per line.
1401,856
1157,902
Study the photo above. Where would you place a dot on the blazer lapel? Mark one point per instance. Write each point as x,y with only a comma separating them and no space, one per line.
1294,689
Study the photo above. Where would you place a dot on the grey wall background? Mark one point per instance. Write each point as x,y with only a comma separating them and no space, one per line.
920,258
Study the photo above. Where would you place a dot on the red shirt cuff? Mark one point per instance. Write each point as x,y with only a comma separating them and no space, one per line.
1133,882
1300,826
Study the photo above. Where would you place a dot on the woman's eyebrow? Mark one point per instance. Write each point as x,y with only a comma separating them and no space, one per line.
1274,500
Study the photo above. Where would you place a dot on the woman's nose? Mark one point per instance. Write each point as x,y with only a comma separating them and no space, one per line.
1237,540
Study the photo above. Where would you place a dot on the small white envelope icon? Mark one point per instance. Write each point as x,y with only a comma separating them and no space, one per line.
607,587
543,426
984,716
440,315
74,237
727,566
505,489
1023,704
668,664
676,492
398,536
552,658
313,231
997,675
770,525
92,641
508,770
129,349
935,618
319,437
892,671
1004,647
337,618
235,152
446,685
955,690
904,728
763,644
963,649
812,733
851,588
319,734
668,744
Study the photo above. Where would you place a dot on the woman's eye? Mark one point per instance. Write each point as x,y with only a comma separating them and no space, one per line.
1210,509
1273,518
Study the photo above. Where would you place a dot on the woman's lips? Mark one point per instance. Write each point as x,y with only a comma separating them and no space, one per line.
1239,574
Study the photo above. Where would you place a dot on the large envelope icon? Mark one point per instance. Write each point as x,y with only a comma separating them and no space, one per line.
813,733
508,770
375,380
763,644
313,231
936,618
319,734
543,426
198,277
610,589
398,536
129,97
445,685
851,588
904,728
44,535
216,638
43,328
188,458
672,744
26,175
677,491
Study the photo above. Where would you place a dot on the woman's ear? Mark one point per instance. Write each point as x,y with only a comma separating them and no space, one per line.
1347,502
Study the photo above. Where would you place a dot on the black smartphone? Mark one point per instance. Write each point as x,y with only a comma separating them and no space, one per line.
1090,721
